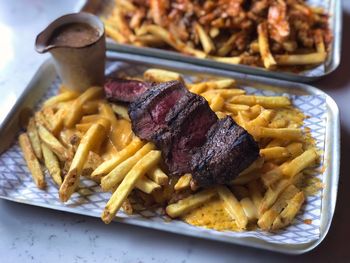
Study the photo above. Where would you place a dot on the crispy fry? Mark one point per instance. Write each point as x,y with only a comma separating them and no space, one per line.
272,194
255,194
289,212
107,166
126,186
161,75
233,206
158,176
266,220
184,206
249,209
228,60
266,102
33,135
54,145
206,41
263,40
217,103
52,164
121,111
305,59
94,135
120,171
183,182
298,164
76,110
146,185
62,97
32,161
273,153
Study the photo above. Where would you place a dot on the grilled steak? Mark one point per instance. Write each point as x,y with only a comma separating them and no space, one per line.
124,90
228,150
148,112
185,130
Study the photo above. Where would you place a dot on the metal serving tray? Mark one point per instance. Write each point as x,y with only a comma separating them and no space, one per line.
334,8
16,183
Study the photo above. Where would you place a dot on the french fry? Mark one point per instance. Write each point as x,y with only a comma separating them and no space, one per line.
126,186
273,153
57,121
228,60
320,47
266,220
217,103
76,110
305,59
62,97
158,176
119,172
93,136
33,135
120,22
32,161
52,164
272,176
207,43
266,102
91,107
272,194
289,212
114,33
228,45
249,209
183,182
283,133
255,193
92,162
299,163
40,119
235,108
107,166
233,206
146,185
190,203
161,75
225,93
295,149
263,119
54,145
263,41
121,111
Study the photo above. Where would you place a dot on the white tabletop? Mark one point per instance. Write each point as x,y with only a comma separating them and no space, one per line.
32,234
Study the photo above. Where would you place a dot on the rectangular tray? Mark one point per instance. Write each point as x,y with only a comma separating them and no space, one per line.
46,77
334,8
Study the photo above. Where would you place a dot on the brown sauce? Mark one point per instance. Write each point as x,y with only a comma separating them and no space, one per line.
74,35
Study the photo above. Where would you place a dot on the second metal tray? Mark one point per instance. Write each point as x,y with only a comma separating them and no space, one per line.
335,22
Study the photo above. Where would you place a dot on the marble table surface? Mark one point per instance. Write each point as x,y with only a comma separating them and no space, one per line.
32,234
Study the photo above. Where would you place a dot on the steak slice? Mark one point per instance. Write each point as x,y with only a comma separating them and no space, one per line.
228,150
186,127
124,90
148,112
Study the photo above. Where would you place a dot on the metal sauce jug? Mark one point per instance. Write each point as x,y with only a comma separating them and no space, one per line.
78,67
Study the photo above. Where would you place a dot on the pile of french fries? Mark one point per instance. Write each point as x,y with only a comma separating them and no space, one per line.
272,34
75,135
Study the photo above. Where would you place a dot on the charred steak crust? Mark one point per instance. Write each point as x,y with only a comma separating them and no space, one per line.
185,130
148,111
124,90
228,150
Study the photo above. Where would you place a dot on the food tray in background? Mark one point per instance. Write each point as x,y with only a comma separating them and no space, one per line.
17,185
335,22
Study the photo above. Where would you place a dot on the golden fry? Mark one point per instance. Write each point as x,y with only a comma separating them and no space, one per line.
126,186
161,75
94,135
32,161
34,138
52,164
158,176
298,164
190,203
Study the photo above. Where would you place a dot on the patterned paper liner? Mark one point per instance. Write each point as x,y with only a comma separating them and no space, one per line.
16,182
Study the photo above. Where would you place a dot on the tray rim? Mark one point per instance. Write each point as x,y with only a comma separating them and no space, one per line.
332,148
334,57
